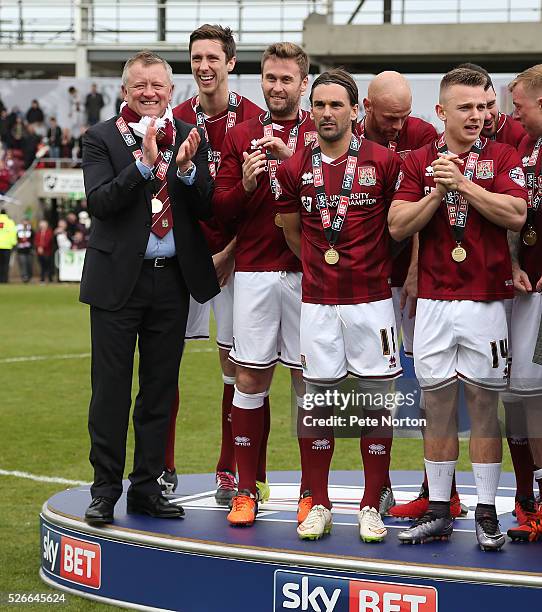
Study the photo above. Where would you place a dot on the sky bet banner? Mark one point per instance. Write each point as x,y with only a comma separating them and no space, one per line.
318,593
72,559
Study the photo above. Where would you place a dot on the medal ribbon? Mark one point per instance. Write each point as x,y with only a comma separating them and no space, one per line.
332,230
161,166
231,120
458,207
291,144
533,202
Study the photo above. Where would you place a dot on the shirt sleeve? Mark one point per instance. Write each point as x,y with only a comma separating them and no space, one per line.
230,197
409,184
146,172
509,177
392,174
188,179
287,197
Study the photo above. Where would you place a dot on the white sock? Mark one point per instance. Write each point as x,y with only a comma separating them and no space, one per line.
228,380
538,474
486,477
439,478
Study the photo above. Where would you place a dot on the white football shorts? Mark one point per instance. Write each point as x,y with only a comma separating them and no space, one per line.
197,325
526,376
358,339
461,339
404,323
266,315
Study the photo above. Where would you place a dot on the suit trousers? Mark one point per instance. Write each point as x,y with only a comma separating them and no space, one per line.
155,317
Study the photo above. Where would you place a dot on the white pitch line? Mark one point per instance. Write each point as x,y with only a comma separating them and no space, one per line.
79,356
44,357
55,479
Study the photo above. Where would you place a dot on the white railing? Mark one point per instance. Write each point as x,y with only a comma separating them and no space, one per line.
256,22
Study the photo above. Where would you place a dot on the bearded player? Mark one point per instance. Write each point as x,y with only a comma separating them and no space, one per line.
333,199
215,109
267,274
526,251
461,193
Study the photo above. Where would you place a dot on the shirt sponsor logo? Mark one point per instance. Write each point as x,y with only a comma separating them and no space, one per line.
517,175
484,169
429,171
72,559
320,593
367,176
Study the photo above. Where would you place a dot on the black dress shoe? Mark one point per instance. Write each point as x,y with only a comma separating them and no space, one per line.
153,505
100,511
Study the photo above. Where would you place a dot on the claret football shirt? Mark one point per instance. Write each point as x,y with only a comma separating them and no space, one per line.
486,273
363,270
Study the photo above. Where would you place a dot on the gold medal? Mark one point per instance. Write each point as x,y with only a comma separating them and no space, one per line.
278,220
156,206
331,256
459,254
530,236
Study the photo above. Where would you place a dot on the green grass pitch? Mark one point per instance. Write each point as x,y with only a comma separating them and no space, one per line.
43,422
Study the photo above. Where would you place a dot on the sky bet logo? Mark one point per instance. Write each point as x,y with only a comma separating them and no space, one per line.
74,560
317,593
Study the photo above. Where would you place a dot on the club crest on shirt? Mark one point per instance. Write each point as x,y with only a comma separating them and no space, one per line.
367,176
303,362
307,203
310,137
403,154
517,175
306,178
484,169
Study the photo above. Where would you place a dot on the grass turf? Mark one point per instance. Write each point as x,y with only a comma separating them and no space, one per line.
43,421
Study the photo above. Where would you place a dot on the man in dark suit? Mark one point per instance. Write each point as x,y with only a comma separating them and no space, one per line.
147,184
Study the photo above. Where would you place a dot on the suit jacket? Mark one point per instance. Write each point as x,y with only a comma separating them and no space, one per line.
119,201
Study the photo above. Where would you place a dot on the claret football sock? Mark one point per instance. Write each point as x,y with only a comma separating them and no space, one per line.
247,423
522,460
261,473
226,461
375,446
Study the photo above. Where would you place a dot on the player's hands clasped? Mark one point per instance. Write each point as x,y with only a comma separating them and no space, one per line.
447,173
253,166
